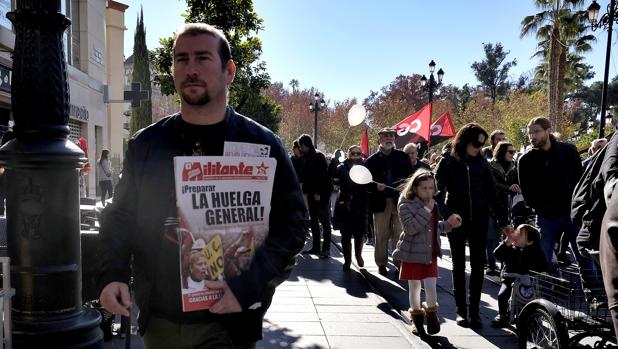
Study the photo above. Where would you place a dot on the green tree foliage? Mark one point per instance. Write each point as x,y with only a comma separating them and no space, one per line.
238,20
493,71
558,28
142,115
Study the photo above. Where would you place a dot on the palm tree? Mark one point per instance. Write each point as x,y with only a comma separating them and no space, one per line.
558,27
294,83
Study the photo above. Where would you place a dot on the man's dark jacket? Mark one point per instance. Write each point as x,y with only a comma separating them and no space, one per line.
316,179
132,225
401,170
547,178
468,188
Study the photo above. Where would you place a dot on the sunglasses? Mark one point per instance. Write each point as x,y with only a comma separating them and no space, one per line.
512,152
356,153
477,144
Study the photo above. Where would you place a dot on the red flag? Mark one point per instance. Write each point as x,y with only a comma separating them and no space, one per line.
364,143
442,128
414,128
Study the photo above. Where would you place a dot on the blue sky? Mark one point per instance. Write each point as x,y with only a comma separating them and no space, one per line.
346,48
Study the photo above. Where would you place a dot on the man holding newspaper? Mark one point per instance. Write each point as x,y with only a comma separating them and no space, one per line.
205,187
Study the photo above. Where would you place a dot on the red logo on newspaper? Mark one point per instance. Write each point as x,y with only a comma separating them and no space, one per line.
262,168
196,171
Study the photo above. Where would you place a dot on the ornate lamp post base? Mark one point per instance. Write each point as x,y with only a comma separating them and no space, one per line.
42,170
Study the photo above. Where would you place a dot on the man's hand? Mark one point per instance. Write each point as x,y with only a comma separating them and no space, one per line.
228,303
381,186
515,188
316,197
115,298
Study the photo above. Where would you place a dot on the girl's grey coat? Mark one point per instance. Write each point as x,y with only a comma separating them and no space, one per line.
415,242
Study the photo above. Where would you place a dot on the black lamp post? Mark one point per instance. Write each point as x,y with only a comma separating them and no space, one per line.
432,84
606,21
317,105
42,169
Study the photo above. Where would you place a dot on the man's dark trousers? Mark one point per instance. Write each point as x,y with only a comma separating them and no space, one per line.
320,213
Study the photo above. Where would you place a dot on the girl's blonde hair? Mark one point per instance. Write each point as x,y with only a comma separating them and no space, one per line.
409,187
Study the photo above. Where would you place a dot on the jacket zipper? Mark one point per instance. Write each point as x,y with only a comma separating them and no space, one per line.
469,191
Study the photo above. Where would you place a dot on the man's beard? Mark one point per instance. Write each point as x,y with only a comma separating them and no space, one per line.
540,143
198,100
388,145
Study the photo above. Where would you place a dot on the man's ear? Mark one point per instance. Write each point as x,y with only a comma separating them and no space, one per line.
230,68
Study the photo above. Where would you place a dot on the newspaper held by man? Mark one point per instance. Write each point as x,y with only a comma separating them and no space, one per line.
223,210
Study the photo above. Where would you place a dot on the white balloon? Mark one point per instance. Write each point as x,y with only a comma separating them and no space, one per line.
359,174
356,115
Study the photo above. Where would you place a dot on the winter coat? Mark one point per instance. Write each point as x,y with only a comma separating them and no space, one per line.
468,188
504,180
352,202
131,235
315,176
521,260
547,178
401,169
415,241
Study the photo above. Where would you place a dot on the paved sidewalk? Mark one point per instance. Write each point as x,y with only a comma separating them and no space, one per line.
320,306
451,335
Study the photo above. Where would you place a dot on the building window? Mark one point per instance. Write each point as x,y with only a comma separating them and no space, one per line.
71,37
75,37
75,128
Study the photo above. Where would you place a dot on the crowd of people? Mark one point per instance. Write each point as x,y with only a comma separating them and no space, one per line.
504,209
512,210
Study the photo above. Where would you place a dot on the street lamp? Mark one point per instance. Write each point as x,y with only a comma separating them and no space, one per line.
606,21
432,84
317,105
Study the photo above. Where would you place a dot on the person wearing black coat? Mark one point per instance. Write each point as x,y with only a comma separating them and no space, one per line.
519,253
389,167
467,187
504,170
317,186
351,209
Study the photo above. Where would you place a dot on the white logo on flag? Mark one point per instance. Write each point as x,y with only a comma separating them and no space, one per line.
436,130
412,127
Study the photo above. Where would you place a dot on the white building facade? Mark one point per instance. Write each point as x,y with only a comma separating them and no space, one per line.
94,52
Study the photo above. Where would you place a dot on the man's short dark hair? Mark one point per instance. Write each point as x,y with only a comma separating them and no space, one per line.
295,145
305,140
195,29
541,121
494,133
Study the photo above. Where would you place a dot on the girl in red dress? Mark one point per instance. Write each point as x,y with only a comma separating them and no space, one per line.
419,247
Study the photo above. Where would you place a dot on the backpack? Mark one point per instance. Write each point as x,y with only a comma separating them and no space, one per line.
588,204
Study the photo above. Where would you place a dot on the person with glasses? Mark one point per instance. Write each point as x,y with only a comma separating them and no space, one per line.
504,169
350,215
467,187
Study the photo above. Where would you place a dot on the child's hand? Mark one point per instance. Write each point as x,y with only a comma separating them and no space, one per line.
454,220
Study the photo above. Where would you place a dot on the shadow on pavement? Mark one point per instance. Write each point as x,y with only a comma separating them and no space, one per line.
276,337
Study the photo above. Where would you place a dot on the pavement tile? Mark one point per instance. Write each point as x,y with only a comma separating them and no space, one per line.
350,300
283,318
297,328
362,309
292,301
357,318
361,329
286,308
292,294
304,342
355,342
